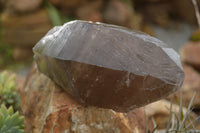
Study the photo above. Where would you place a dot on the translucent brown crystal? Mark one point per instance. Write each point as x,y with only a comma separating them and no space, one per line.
108,66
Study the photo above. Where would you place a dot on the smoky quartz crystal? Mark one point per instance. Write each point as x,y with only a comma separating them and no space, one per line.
108,66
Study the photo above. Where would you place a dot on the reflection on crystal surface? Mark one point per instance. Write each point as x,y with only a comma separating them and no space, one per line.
108,66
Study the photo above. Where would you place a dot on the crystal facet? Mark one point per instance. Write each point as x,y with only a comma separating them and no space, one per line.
108,66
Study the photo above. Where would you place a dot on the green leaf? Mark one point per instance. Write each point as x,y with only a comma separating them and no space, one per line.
3,77
1,88
1,121
12,77
3,111
10,111
54,15
10,86
9,122
10,101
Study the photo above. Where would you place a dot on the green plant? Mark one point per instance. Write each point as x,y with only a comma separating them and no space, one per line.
56,17
8,95
10,122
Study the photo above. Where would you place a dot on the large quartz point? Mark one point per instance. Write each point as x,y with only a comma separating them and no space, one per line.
108,66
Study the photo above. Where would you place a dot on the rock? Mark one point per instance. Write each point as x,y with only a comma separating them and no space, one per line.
157,13
184,9
108,66
190,85
162,12
124,13
24,30
22,6
160,112
190,54
162,107
20,83
49,109
67,3
192,79
21,54
90,11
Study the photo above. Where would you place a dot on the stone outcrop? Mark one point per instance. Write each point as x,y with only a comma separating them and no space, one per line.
190,54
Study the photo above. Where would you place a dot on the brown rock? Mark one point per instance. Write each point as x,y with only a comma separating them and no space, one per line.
22,6
24,30
49,109
20,53
67,3
157,13
192,79
190,54
184,9
190,84
119,13
20,83
162,107
90,11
